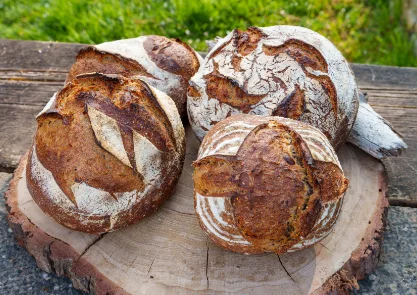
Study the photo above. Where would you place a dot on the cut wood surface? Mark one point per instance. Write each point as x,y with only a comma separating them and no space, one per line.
168,253
31,71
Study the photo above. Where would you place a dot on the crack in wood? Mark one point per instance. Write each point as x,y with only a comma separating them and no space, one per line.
89,283
184,213
18,80
6,169
33,71
89,246
23,104
150,267
207,263
394,106
400,202
325,247
289,275
370,89
33,106
48,257
31,79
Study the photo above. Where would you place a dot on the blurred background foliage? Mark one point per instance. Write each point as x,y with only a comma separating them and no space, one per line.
366,31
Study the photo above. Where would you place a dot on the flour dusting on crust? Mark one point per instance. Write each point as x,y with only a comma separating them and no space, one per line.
99,202
169,108
108,134
134,49
47,183
49,105
148,158
276,78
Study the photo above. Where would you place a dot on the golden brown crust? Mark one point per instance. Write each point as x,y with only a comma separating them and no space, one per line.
215,176
91,60
331,180
275,172
293,105
276,188
134,106
246,41
67,147
70,152
170,55
228,91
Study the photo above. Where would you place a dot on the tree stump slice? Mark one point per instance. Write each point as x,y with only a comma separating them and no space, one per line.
168,253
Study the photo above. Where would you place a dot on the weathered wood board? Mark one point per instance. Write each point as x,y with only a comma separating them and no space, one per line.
31,71
392,92
168,253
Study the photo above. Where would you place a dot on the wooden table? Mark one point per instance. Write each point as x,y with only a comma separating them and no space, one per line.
30,72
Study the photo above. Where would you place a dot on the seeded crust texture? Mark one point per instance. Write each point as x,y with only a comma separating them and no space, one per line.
282,71
108,151
267,184
166,64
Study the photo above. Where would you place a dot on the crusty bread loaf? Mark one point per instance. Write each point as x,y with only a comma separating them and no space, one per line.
267,184
166,64
282,71
107,152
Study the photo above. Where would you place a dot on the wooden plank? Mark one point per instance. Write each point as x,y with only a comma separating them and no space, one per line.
17,127
37,55
29,78
30,72
402,171
27,93
393,94
385,77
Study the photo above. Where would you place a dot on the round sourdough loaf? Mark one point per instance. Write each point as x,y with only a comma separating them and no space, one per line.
166,64
267,184
107,152
282,71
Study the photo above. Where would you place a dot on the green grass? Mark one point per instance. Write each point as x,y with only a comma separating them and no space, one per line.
369,31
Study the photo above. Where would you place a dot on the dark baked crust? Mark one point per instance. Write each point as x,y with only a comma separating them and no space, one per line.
171,55
91,60
228,91
66,146
275,186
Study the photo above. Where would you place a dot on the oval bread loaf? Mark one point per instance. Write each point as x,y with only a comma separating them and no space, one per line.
107,152
282,71
267,184
166,64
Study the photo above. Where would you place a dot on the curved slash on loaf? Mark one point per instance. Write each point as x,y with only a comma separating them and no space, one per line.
147,159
